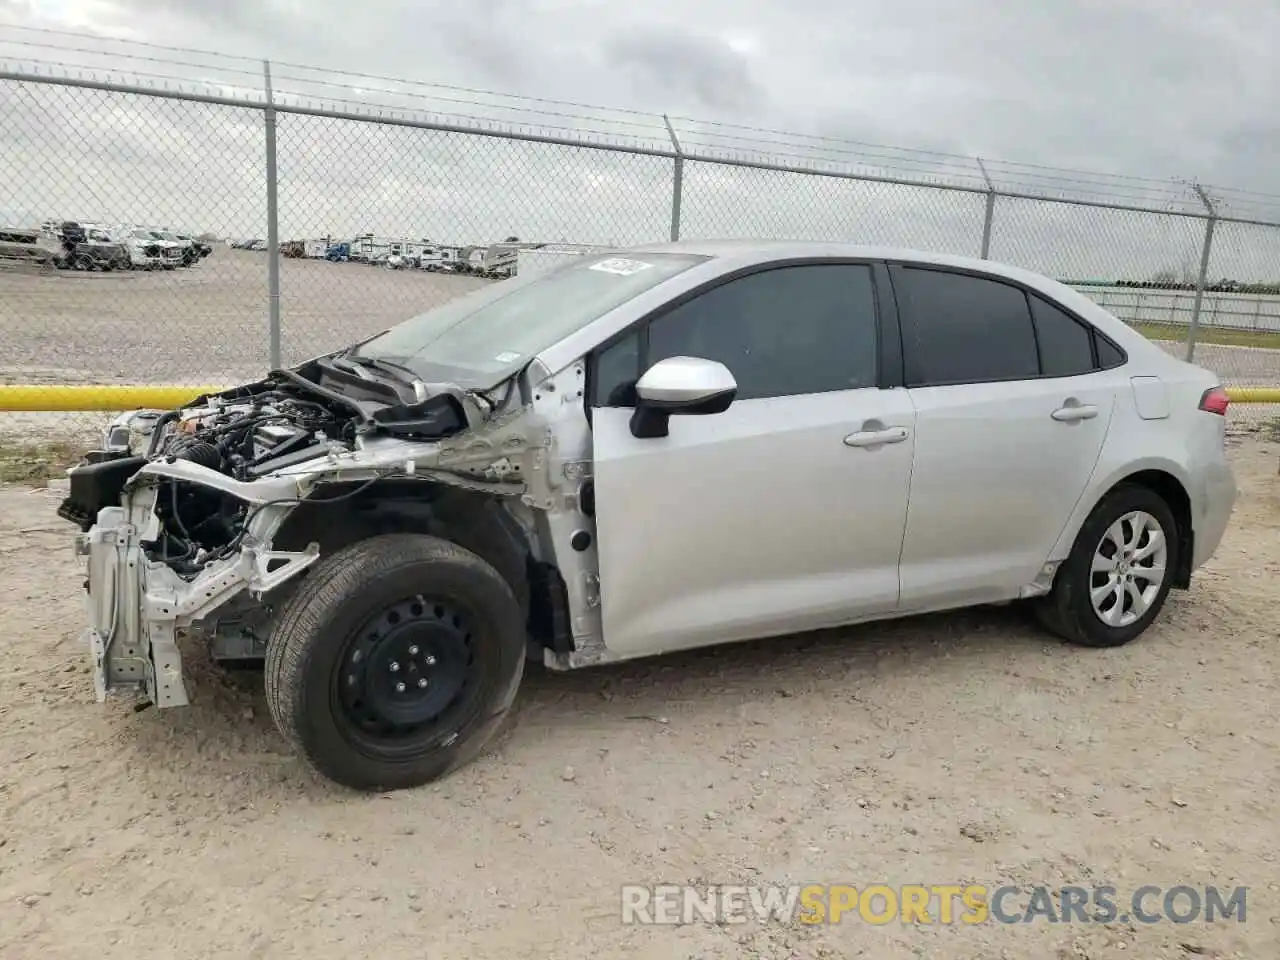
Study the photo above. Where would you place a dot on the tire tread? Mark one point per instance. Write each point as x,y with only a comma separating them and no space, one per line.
322,590
1063,612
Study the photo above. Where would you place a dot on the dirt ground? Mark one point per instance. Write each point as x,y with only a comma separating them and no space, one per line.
964,748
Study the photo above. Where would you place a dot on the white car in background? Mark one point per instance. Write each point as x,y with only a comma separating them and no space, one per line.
666,448
149,251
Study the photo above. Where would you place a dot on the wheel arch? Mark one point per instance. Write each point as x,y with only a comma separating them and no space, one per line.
1164,478
473,520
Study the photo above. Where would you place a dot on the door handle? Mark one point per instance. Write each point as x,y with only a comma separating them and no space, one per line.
1072,412
876,438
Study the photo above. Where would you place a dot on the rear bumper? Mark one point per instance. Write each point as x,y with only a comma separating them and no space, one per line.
1217,499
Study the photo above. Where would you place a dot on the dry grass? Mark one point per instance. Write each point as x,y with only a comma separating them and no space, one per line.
35,463
1229,338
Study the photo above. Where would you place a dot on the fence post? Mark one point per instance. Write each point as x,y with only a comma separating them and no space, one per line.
1210,223
273,223
991,211
677,179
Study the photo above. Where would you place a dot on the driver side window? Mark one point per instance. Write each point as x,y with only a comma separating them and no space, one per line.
781,332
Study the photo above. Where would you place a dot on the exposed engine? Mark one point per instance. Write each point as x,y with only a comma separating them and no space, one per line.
248,440
244,439
248,434
267,432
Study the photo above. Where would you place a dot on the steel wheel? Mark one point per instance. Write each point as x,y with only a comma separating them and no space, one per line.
395,660
405,673
1129,567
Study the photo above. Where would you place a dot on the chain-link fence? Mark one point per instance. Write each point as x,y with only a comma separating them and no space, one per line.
162,235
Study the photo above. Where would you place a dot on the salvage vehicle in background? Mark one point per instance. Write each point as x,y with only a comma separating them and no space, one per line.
76,245
25,245
188,249
150,252
665,448
194,250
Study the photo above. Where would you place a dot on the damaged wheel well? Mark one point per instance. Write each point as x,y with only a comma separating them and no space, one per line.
474,521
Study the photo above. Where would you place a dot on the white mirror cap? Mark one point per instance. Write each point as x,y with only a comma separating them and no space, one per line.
685,380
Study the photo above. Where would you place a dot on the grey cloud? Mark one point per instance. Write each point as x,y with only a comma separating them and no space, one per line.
1137,87
690,72
1134,87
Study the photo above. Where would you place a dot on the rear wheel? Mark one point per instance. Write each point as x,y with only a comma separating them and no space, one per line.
1119,572
395,661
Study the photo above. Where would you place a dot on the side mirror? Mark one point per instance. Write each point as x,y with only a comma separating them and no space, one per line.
680,385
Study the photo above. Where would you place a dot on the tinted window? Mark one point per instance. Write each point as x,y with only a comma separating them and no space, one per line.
1066,345
614,377
964,329
1109,354
783,332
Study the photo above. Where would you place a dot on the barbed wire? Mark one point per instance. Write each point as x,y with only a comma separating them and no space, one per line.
303,85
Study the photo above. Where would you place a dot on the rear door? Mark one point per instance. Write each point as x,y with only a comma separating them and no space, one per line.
783,513
1012,411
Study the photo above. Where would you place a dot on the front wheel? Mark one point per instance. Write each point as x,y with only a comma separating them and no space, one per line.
1119,572
395,661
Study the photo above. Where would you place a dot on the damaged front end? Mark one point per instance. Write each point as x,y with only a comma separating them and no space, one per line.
180,510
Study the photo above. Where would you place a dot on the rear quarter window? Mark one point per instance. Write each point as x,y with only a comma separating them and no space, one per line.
1065,344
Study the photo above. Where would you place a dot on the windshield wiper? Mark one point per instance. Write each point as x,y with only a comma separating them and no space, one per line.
398,370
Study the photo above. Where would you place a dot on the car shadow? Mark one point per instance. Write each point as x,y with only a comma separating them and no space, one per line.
227,733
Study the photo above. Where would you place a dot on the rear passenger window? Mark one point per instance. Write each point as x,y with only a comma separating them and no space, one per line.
1066,345
964,329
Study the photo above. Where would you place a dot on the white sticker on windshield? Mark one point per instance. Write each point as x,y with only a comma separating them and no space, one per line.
621,266
506,358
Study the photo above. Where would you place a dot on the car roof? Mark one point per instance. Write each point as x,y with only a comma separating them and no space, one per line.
746,252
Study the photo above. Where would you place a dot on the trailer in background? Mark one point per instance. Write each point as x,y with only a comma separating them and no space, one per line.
368,249
551,256
440,257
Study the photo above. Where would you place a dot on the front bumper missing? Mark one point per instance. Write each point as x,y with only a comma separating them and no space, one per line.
138,607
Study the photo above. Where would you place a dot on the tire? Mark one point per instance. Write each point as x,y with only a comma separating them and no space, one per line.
1068,609
402,611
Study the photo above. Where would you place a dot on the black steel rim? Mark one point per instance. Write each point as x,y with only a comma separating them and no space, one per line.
406,673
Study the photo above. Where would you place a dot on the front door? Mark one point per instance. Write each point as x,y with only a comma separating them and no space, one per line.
784,513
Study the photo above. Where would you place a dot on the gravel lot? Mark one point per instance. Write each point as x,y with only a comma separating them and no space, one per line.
948,749
209,323
199,324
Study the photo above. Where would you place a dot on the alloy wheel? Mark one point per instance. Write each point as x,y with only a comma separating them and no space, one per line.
1129,567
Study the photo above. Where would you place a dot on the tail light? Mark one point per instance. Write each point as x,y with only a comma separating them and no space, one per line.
1215,400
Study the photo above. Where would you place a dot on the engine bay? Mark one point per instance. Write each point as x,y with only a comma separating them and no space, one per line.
246,434
248,440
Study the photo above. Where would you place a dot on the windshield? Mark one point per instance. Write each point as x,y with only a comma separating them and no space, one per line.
483,337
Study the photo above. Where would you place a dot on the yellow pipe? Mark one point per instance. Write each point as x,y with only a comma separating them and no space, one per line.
1254,394
105,397
118,396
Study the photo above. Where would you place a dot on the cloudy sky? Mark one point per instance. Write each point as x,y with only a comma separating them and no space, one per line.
1156,89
